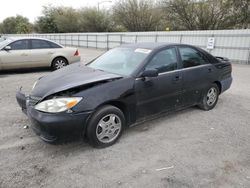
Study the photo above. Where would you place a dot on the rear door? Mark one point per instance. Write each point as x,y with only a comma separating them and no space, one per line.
160,93
17,57
197,74
42,52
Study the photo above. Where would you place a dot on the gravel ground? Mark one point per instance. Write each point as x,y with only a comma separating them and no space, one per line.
190,148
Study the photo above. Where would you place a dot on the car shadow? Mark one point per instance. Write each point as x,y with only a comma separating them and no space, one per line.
151,121
5,73
141,126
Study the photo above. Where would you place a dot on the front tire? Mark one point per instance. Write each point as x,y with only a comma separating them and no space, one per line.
105,126
210,97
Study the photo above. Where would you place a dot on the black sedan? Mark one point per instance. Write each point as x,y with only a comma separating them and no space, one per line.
123,86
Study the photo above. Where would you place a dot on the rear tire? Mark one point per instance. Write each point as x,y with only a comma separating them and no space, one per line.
105,126
210,97
59,63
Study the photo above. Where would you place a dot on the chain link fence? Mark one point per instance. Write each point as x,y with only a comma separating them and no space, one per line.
233,44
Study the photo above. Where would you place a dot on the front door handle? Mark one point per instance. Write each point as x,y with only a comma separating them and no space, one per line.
209,70
177,78
24,54
50,53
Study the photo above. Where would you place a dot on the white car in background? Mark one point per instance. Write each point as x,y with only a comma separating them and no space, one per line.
24,52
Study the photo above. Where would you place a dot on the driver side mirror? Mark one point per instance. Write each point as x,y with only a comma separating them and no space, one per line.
7,48
150,73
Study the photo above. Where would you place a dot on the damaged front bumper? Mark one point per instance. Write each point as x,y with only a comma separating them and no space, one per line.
50,126
21,100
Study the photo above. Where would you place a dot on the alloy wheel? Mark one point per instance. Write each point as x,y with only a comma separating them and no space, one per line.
108,128
211,96
60,63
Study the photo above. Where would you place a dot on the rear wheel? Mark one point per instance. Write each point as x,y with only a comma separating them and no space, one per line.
210,97
59,63
105,126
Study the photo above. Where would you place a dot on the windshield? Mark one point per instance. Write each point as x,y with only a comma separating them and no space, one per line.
3,43
121,61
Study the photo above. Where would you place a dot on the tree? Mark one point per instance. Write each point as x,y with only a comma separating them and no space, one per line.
241,11
66,19
137,15
9,25
205,14
46,23
92,20
18,24
1,28
23,25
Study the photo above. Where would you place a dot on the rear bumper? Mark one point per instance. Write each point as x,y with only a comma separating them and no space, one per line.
50,126
74,59
226,84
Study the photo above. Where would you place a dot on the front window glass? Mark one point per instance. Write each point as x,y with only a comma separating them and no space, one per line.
20,45
164,61
120,60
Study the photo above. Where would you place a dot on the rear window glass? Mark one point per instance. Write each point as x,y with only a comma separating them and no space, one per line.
39,44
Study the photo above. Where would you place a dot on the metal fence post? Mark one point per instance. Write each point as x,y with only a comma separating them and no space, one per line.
181,38
78,40
120,39
60,39
107,41
87,40
136,38
156,37
96,41
248,60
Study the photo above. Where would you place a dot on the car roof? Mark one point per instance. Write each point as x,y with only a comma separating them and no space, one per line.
23,38
148,45
20,38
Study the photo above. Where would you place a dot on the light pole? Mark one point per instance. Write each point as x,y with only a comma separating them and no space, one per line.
100,2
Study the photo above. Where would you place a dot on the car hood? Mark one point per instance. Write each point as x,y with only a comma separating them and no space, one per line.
72,76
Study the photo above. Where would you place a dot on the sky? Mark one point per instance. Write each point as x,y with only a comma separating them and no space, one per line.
33,8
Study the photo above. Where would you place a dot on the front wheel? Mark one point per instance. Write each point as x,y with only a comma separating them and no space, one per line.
105,126
210,97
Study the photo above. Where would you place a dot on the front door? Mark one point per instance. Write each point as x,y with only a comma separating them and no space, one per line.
17,57
160,93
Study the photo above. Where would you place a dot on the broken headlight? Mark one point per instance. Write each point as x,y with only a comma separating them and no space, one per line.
58,104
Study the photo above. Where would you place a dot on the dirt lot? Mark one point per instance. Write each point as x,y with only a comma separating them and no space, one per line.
191,148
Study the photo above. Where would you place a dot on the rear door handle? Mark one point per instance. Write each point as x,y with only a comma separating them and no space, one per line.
50,53
209,70
24,54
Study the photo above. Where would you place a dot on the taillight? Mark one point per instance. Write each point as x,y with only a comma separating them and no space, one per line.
76,53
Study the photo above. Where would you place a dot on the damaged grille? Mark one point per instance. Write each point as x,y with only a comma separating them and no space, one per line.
32,100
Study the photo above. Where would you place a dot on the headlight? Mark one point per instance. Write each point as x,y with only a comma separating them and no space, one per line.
58,104
34,85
